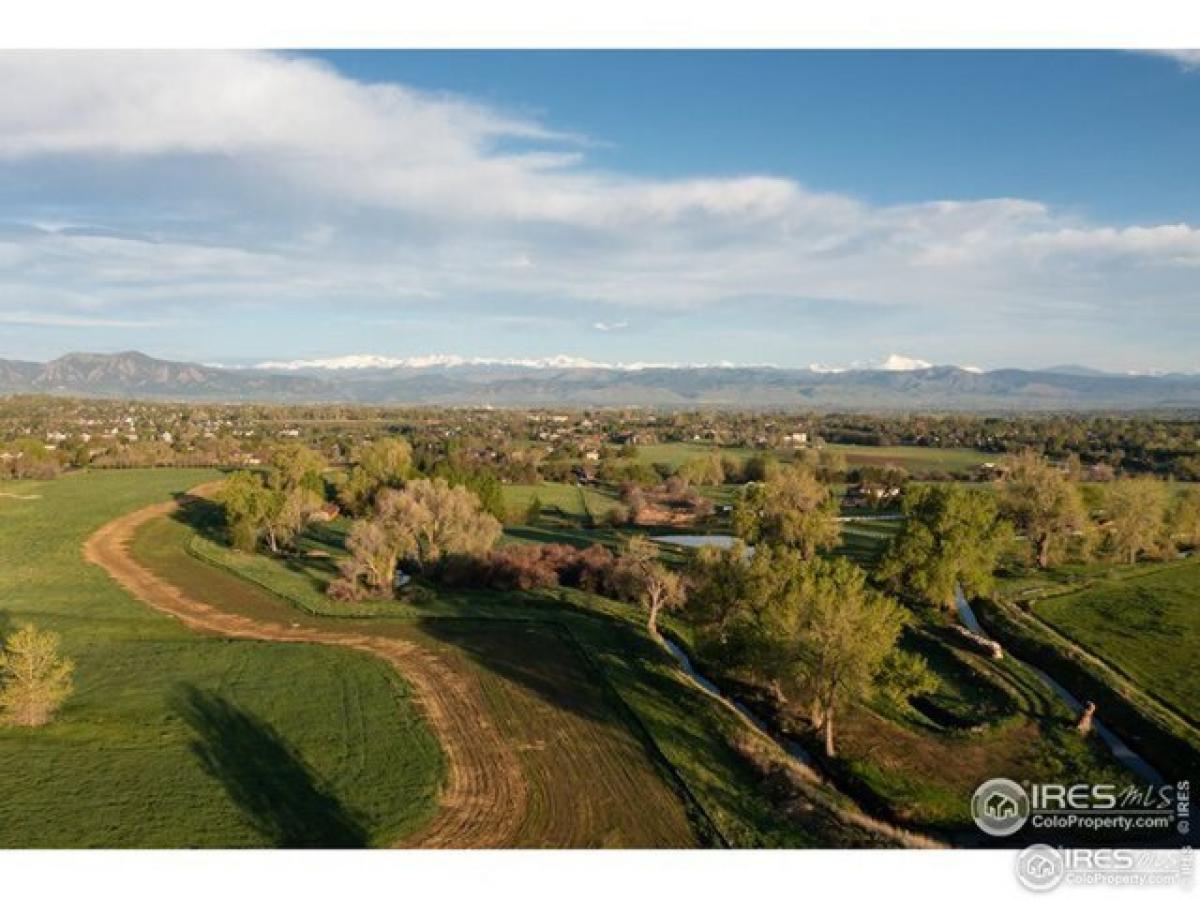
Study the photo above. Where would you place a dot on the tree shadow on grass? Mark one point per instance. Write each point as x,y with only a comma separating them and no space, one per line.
202,515
265,777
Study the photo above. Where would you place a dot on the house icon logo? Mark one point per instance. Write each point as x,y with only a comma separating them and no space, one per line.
1041,868
1000,807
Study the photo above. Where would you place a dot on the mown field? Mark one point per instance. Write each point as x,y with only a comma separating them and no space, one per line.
916,460
571,500
1145,626
174,740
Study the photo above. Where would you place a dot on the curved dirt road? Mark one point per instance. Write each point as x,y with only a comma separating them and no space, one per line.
484,801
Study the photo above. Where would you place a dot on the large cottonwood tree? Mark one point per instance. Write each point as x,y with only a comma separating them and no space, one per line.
1043,503
951,535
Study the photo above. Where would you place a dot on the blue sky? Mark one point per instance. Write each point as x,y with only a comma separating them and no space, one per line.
991,209
890,127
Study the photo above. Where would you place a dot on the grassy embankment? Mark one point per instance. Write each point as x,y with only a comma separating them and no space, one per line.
1122,636
1146,626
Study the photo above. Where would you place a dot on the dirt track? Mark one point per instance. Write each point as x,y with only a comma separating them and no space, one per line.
485,797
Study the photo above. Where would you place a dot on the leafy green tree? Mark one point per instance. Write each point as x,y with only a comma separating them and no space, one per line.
843,634
721,585
294,465
793,509
760,467
247,503
951,535
484,484
703,470
34,680
425,522
386,463
1137,509
905,675
255,512
1043,503
288,513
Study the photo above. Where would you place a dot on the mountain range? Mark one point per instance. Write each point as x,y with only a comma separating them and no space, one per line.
560,381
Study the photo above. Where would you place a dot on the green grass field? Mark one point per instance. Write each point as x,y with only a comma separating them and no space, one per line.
954,460
179,740
176,740
676,453
574,501
1145,626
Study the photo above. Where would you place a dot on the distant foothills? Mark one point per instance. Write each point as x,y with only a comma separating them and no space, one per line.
897,383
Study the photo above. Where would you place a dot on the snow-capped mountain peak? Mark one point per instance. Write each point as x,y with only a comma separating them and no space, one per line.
447,360
894,362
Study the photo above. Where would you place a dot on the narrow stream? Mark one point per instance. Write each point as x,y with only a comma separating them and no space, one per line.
790,747
1122,751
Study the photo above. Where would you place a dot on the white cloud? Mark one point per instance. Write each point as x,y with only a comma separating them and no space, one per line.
261,178
897,363
1189,60
610,326
54,320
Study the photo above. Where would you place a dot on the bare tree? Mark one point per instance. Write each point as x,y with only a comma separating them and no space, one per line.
431,520
639,577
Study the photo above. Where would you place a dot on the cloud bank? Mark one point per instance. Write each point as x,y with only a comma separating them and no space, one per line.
148,185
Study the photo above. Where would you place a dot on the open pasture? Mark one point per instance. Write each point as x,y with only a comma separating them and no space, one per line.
915,460
175,740
1145,626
